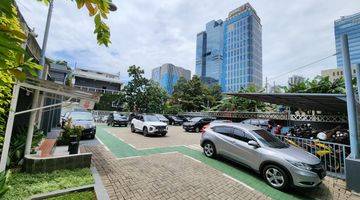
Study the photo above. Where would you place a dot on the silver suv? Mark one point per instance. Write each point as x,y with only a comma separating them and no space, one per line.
280,164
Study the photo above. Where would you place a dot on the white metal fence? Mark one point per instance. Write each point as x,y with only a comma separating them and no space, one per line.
332,155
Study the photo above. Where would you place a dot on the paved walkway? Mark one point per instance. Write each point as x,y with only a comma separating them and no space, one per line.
165,176
130,173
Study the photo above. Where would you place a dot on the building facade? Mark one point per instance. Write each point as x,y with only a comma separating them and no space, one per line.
336,73
95,81
59,71
242,64
209,51
295,79
168,74
351,26
230,52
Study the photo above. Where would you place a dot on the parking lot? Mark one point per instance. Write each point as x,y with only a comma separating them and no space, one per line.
173,167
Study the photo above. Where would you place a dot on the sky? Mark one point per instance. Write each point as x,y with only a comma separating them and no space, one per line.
151,33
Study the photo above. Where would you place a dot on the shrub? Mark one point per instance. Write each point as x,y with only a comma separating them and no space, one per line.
18,142
69,130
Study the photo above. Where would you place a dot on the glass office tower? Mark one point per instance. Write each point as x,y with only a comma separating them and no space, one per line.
242,63
168,74
351,26
209,50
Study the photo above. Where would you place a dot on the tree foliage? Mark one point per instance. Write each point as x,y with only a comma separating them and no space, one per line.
143,95
235,103
319,85
107,100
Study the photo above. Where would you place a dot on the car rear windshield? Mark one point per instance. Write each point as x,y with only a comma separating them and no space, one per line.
269,140
151,118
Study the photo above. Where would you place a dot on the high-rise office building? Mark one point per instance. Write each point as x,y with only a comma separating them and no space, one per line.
209,52
168,74
242,64
230,52
351,26
295,80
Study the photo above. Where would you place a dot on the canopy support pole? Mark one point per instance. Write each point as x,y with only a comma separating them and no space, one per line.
9,127
30,131
350,99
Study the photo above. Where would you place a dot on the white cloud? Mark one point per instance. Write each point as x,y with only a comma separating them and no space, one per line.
150,33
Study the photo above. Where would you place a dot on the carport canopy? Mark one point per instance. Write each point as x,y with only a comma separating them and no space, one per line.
36,86
333,103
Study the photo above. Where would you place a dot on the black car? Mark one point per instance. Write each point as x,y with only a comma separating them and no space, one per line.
173,120
197,123
116,119
183,118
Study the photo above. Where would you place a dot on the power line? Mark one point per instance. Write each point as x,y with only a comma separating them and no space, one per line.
303,66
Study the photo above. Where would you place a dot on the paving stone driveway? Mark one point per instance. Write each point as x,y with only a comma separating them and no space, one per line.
128,173
175,137
165,176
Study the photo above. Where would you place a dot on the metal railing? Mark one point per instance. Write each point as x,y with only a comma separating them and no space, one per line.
97,90
332,155
270,115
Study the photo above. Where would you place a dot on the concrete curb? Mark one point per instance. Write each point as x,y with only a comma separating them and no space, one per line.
99,187
62,192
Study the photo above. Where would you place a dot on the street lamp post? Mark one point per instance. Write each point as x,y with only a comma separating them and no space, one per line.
43,75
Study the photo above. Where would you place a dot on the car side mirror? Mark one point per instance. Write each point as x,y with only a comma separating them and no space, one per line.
253,143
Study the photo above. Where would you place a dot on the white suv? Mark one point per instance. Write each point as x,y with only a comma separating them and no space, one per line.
148,125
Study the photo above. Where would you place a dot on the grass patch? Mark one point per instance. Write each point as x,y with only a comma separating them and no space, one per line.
89,195
24,185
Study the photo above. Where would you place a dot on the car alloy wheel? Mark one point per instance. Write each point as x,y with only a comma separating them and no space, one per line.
197,129
209,149
274,177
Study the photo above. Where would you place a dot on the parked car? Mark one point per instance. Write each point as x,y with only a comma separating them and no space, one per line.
115,119
183,118
215,122
280,164
265,124
148,125
162,118
197,123
173,120
85,120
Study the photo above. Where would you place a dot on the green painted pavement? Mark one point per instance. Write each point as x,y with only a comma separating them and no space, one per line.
122,150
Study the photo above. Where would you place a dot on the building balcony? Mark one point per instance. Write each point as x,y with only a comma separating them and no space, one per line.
97,90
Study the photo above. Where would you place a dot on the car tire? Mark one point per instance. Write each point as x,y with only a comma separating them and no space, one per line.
132,128
209,149
276,177
92,136
197,129
145,132
163,134
112,124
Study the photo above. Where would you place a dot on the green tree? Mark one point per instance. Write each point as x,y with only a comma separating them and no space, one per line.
156,98
107,100
215,95
191,95
135,90
143,95
240,104
319,85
